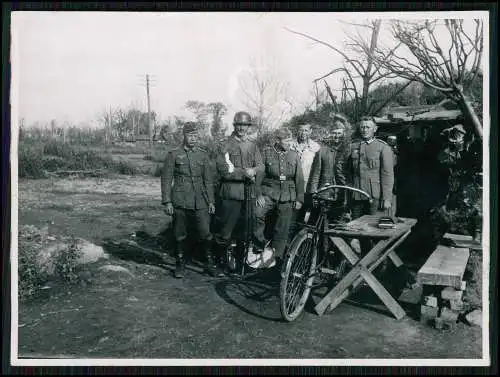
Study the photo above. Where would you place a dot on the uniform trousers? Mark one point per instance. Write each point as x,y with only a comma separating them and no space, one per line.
199,217
281,228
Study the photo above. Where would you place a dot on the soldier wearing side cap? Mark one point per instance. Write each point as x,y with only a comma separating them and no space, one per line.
282,187
187,194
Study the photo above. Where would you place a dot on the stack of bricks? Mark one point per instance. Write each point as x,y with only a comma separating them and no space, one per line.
441,306
442,280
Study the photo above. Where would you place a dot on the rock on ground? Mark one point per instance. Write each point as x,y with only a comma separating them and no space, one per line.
475,318
115,268
90,253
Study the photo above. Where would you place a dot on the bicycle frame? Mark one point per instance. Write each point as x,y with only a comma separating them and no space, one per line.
320,226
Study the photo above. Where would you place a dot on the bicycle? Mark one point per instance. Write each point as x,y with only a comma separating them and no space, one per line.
308,246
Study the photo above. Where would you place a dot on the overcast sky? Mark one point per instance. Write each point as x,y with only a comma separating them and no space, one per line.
69,66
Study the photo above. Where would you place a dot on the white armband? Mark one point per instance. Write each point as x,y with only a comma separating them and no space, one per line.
230,166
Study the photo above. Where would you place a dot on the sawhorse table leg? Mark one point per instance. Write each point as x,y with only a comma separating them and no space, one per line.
362,270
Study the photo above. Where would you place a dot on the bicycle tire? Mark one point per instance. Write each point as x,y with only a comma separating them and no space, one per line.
302,250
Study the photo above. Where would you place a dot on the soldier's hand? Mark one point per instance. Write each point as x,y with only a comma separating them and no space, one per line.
315,202
250,172
261,201
211,208
169,209
298,205
387,204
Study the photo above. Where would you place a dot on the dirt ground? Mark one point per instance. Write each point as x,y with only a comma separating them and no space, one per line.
143,312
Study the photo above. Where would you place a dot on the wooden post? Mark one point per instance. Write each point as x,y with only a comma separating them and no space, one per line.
149,113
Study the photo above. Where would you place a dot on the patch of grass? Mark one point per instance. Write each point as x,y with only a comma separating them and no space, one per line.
156,155
36,269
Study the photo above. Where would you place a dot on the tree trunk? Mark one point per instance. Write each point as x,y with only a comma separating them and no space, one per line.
368,73
470,115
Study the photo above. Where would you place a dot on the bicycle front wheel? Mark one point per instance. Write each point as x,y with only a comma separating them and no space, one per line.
298,275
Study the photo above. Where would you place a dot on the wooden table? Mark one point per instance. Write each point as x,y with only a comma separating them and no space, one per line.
384,241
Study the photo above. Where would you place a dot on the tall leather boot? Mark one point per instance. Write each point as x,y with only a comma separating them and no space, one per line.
211,266
179,260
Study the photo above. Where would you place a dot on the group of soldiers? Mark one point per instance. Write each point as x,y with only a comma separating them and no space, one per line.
279,177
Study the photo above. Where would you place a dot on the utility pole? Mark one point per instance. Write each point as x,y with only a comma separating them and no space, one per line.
150,129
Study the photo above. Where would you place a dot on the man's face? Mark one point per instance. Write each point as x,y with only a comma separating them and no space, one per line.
191,139
367,129
391,141
456,140
304,133
285,143
240,130
337,135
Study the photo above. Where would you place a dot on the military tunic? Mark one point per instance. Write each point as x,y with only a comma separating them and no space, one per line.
187,183
328,168
234,157
282,185
370,167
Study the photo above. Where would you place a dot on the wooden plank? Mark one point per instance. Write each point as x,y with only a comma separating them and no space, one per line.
445,266
367,226
396,260
345,249
371,264
350,278
382,293
460,240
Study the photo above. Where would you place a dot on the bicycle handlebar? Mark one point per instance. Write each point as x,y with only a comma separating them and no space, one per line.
329,187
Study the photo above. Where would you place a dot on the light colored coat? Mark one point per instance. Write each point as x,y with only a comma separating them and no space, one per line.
306,153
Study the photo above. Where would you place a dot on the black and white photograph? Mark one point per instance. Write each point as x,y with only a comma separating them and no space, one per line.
250,188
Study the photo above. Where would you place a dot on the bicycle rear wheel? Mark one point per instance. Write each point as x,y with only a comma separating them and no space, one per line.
298,275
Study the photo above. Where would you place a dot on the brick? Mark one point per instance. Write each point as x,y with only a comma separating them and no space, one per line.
456,305
431,301
429,311
448,315
450,293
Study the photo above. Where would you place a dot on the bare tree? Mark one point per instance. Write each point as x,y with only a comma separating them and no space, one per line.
360,72
449,66
264,94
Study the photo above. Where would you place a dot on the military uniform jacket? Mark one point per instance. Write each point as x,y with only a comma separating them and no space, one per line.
327,168
187,179
370,167
282,179
233,158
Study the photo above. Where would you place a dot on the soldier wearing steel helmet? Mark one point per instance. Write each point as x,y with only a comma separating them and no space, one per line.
238,162
187,194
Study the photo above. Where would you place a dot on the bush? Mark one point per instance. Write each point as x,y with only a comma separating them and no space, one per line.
35,160
37,266
30,164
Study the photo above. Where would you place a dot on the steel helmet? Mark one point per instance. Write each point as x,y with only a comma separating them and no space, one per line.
243,118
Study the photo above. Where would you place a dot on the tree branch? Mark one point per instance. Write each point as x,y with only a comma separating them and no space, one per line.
325,44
